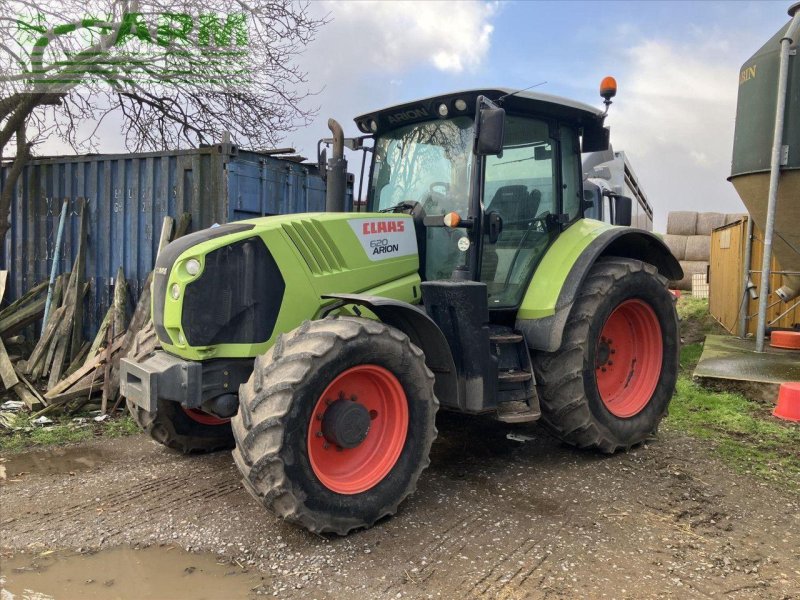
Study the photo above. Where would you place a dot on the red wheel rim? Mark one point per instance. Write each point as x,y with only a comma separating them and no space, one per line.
356,470
204,418
628,358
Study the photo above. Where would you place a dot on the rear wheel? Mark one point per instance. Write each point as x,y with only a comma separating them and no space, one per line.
336,423
184,430
610,383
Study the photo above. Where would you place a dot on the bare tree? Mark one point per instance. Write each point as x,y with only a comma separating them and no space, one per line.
173,73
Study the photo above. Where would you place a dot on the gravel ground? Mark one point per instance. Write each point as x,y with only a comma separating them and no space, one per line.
492,518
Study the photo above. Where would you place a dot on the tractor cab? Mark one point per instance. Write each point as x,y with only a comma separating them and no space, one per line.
488,200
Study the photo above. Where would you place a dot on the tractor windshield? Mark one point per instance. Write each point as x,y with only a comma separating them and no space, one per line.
428,163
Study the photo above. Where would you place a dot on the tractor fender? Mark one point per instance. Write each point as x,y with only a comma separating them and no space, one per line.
423,333
545,333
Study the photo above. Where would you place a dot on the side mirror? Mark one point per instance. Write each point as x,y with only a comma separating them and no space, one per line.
596,138
623,208
491,131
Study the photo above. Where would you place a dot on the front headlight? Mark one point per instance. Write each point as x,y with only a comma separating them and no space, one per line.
192,266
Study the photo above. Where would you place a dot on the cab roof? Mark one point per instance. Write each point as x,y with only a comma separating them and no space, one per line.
529,102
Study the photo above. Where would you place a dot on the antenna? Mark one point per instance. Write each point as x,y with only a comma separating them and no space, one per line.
501,98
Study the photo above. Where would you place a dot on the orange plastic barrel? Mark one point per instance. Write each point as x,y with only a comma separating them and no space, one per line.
788,407
788,340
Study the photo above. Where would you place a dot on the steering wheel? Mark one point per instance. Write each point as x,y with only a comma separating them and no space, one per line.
442,184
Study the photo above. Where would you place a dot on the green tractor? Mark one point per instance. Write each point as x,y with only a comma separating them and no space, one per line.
321,346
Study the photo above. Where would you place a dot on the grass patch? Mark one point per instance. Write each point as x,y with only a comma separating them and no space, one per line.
744,432
695,309
23,434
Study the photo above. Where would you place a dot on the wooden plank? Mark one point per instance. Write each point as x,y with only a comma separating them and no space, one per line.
64,384
58,293
3,279
27,297
90,384
7,373
183,225
57,366
30,387
22,317
87,368
24,394
79,360
101,334
141,315
43,368
166,233
106,376
42,345
120,305
64,333
79,272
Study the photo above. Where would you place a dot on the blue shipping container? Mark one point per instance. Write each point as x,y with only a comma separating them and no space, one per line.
128,196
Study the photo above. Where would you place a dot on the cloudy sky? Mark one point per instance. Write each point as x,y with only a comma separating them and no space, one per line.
676,63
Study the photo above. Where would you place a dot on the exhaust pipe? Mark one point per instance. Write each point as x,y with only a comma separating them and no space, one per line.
336,192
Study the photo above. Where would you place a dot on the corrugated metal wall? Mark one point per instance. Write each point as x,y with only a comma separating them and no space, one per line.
257,186
128,197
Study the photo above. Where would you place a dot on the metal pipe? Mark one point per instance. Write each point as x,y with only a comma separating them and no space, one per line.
336,193
56,257
364,150
748,257
784,313
774,175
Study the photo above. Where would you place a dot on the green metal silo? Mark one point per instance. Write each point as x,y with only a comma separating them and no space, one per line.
753,145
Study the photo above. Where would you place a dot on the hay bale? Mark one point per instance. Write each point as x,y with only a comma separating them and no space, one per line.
690,267
706,222
676,245
682,223
698,247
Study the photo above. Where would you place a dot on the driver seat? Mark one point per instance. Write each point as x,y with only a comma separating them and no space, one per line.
515,203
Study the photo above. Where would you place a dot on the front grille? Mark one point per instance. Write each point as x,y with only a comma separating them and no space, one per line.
237,297
166,260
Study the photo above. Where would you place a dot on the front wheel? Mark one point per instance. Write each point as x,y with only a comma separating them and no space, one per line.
610,383
335,424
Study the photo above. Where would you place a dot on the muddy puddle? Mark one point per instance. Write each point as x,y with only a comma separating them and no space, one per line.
54,461
155,573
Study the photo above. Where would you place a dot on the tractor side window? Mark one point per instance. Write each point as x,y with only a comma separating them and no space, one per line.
570,172
520,186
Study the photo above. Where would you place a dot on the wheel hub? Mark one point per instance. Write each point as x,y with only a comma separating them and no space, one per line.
604,352
346,423
628,358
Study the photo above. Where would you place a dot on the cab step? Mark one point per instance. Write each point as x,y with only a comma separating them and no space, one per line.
506,338
517,412
513,376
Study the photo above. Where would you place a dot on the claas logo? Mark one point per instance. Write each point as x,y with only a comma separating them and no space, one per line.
375,227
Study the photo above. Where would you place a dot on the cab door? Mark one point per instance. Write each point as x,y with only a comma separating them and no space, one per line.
520,186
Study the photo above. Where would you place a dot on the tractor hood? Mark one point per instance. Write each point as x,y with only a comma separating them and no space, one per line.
226,291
